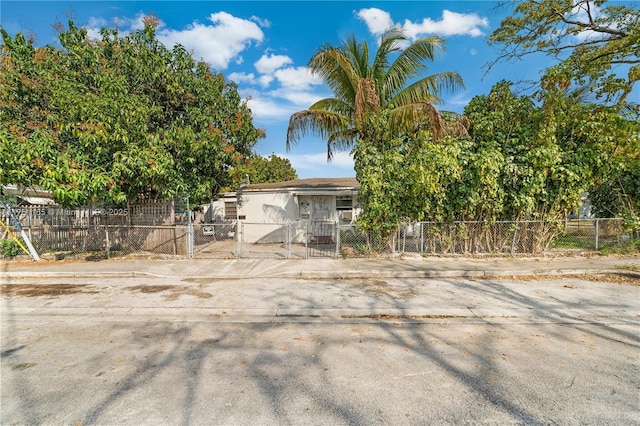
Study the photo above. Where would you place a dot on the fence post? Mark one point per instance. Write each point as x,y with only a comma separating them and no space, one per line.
288,237
306,238
597,231
189,230
337,239
237,238
106,236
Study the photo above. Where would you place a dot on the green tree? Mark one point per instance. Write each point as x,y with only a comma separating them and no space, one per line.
594,42
117,118
258,169
555,152
363,86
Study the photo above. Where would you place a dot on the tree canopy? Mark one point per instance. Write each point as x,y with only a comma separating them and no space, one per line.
362,86
520,161
259,169
595,43
117,118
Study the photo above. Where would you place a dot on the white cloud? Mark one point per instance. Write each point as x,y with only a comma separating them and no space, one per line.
457,102
452,23
251,79
265,80
268,109
302,99
267,64
264,23
240,77
297,78
378,21
342,162
123,25
217,44
136,23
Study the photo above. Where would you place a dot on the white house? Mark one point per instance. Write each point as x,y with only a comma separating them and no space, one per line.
267,211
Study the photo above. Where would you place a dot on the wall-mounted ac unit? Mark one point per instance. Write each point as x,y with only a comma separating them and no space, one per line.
347,214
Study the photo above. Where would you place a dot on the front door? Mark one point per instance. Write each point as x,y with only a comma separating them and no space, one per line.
318,209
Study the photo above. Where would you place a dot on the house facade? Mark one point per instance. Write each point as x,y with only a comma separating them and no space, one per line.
310,208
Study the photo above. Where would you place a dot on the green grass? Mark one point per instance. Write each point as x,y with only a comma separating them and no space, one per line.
626,247
569,242
634,268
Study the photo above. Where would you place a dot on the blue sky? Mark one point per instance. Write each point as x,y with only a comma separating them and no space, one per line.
264,46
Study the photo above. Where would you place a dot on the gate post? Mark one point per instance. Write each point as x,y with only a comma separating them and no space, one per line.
597,231
239,237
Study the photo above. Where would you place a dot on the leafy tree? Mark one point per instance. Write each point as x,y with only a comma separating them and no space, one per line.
362,87
117,118
594,42
258,169
521,161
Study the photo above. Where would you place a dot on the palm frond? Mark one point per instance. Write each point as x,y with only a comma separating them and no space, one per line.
390,42
411,62
338,106
428,89
334,67
455,124
341,141
316,122
358,54
410,118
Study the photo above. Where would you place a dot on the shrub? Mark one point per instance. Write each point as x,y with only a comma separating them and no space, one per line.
9,248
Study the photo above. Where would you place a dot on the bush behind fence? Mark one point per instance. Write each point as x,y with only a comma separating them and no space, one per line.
507,237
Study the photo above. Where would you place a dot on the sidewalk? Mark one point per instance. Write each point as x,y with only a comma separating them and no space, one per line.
323,290
413,267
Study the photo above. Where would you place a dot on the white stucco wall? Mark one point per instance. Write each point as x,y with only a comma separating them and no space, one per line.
272,217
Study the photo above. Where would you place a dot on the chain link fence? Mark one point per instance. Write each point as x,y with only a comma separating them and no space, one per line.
59,233
506,237
153,227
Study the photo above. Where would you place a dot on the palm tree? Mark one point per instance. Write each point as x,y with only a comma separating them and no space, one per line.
362,88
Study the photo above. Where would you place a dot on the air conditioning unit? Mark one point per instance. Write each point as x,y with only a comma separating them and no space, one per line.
347,215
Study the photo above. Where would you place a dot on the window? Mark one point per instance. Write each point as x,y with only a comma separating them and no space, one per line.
344,202
230,210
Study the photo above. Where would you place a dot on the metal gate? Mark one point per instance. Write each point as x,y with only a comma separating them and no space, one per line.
323,238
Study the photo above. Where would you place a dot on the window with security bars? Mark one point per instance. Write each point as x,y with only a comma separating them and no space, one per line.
344,202
230,210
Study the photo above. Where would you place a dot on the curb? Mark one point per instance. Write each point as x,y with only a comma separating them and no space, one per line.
344,275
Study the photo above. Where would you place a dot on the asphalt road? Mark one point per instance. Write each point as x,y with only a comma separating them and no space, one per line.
161,351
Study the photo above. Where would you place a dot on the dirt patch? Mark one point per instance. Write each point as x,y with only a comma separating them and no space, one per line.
188,292
175,291
151,288
621,278
45,290
19,367
382,288
387,317
204,280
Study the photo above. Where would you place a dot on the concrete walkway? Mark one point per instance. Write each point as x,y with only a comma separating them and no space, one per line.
412,267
